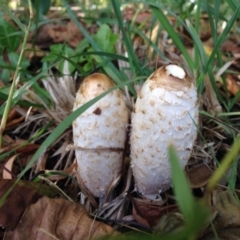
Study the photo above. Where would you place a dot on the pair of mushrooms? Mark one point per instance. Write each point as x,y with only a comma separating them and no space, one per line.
165,112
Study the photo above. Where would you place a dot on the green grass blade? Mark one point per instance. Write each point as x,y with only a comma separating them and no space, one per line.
35,137
133,60
233,4
223,167
216,8
189,207
169,28
80,26
16,20
211,22
180,185
197,41
206,5
16,76
233,175
23,103
234,101
197,24
214,29
219,42
153,45
19,92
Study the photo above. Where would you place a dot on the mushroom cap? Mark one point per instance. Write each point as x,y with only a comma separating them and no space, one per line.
94,85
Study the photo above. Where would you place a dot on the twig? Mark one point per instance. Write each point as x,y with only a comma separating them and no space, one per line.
55,186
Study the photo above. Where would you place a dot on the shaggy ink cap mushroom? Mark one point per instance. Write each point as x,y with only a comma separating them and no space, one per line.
99,135
166,111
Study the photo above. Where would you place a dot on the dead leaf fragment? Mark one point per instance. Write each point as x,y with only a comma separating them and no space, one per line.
228,209
226,212
7,170
233,86
74,34
58,33
22,195
169,223
199,175
65,33
43,40
19,147
148,212
31,51
129,13
230,46
58,219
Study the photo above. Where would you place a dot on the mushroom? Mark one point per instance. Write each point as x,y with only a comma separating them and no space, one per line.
166,111
99,134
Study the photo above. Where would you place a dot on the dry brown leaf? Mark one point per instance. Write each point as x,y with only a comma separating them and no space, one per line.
12,115
233,86
22,195
7,139
8,168
14,123
22,153
9,144
28,148
149,212
227,218
31,51
43,40
65,33
205,30
169,223
57,33
74,34
2,84
129,13
31,147
6,58
14,118
228,209
58,219
230,46
232,81
199,175
230,234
